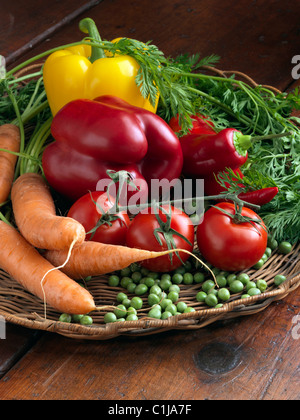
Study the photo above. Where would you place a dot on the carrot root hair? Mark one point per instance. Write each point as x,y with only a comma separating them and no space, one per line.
53,269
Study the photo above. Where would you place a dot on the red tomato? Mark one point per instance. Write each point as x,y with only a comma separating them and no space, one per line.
141,235
230,245
85,211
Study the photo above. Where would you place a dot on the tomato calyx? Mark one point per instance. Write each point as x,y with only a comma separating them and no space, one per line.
166,230
238,217
122,177
105,218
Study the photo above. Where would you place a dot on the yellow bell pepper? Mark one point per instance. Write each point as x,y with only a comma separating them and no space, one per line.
82,72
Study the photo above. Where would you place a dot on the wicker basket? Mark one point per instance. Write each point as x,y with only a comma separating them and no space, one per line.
20,307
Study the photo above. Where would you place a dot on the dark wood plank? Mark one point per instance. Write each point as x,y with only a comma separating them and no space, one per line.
250,358
24,24
254,357
15,342
258,37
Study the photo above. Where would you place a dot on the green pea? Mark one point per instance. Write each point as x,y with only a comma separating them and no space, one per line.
236,286
285,247
141,289
231,278
155,312
125,281
174,288
165,283
162,295
136,302
121,296
173,296
264,257
177,278
131,310
279,279
126,302
153,275
243,277
149,281
166,315
144,271
181,306
131,287
223,294
268,252
65,318
199,277
121,320
211,300
208,285
171,308
77,318
155,289
120,311
166,276
200,296
250,285
86,320
259,264
219,305
245,295
254,291
135,267
165,302
188,266
136,276
272,243
189,309
109,317
188,278
125,272
221,280
262,285
113,280
132,317
180,270
153,299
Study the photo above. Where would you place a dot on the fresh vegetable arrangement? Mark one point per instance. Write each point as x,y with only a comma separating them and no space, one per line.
79,120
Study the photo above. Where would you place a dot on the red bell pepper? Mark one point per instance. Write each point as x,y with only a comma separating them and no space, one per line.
201,125
212,153
93,136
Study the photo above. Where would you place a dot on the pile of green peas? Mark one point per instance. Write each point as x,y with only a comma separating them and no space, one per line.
161,291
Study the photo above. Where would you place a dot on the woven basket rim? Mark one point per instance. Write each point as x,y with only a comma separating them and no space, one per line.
145,326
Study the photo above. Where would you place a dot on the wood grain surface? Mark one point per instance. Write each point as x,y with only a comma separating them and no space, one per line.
249,358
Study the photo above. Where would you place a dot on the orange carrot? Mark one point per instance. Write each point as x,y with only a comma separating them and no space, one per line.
27,266
36,218
94,258
9,140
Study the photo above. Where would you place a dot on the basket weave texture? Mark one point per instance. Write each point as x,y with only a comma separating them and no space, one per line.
20,307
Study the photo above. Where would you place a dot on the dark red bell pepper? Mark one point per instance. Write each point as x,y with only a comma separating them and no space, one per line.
93,136
200,125
212,153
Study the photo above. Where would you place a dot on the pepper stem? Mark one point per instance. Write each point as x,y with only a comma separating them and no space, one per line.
243,142
88,26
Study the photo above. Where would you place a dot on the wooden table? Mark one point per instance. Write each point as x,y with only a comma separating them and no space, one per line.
249,358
